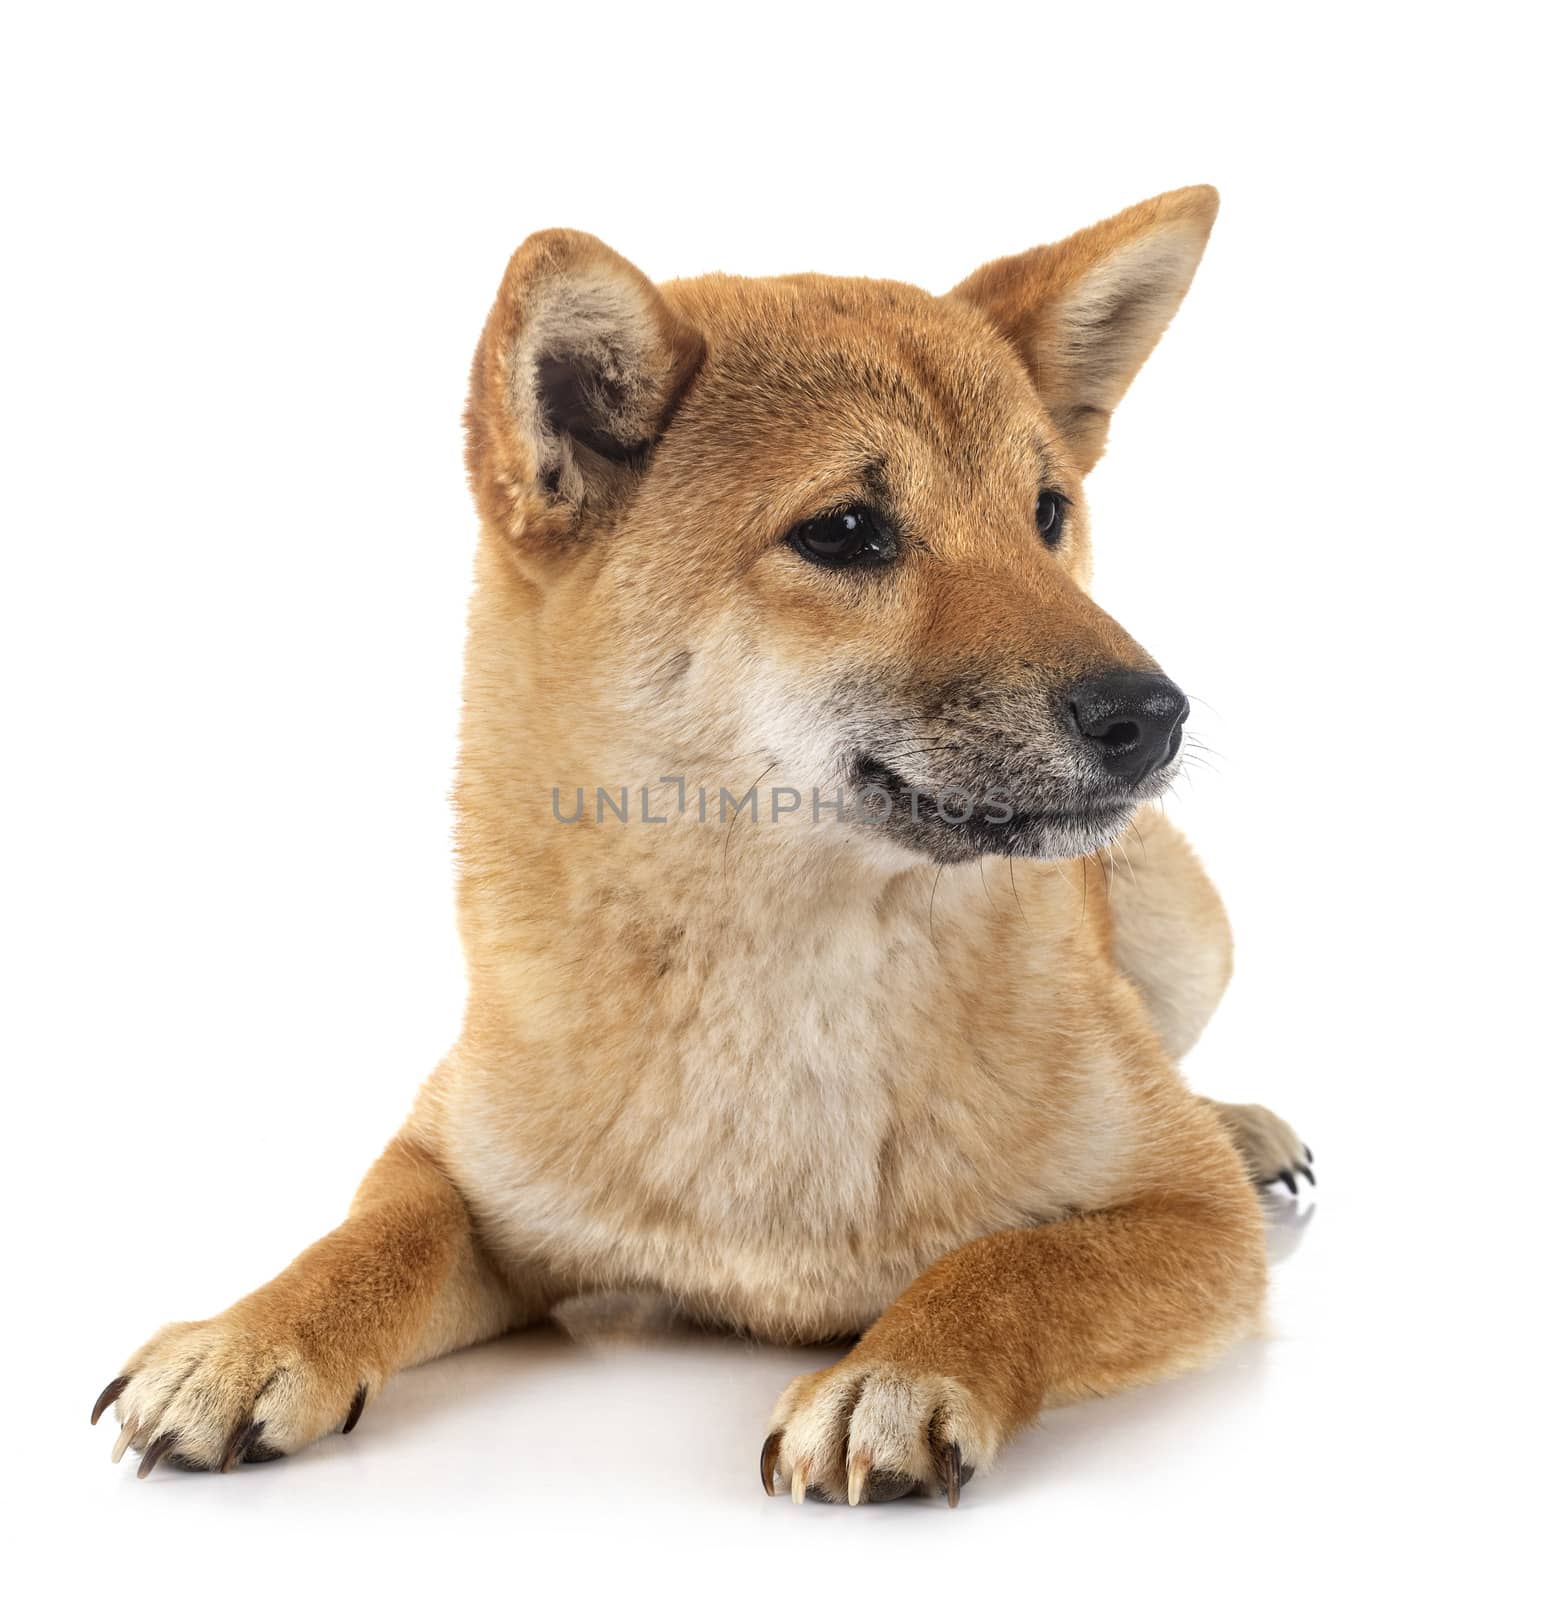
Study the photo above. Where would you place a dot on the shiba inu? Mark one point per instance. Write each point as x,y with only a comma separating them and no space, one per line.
827,966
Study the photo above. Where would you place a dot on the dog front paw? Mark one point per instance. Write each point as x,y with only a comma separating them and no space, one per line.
867,1430
207,1396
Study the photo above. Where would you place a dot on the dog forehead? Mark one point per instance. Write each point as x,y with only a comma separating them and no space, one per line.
854,353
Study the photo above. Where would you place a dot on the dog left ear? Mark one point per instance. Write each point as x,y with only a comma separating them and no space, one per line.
579,370
1084,314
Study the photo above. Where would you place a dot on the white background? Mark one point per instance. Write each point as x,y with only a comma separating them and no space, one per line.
248,255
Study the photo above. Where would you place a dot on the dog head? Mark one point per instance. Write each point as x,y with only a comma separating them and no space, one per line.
833,532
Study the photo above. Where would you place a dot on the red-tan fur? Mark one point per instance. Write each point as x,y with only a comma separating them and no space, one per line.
800,1079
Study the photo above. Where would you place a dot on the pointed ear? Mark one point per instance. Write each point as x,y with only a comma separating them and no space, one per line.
580,366
1085,313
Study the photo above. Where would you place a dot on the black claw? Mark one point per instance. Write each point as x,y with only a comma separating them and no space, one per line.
1288,1179
948,1465
358,1401
1308,1172
238,1441
770,1455
155,1451
108,1396
1308,1155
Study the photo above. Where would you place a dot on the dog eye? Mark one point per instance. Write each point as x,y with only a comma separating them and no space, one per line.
852,536
1051,517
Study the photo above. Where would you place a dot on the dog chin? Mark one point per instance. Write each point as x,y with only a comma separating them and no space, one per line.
1039,836
1065,837
1062,832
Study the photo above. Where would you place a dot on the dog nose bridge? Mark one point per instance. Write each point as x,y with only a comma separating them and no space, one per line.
1059,629
1027,625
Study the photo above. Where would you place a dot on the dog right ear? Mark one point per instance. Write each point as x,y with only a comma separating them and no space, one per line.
579,369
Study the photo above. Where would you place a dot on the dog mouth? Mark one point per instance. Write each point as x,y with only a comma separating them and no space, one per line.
961,823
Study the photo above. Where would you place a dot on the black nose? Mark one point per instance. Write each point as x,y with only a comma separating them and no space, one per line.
1133,721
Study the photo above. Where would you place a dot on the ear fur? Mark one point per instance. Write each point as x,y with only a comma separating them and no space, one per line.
580,366
1084,314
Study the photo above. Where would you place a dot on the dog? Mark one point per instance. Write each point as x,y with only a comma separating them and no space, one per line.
828,962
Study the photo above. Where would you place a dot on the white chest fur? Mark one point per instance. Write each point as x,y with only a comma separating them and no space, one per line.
792,1125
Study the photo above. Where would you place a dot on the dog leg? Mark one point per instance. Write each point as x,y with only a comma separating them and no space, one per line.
401,1280
965,1357
1171,935
1172,941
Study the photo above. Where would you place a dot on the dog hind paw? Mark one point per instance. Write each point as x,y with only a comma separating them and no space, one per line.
1271,1150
